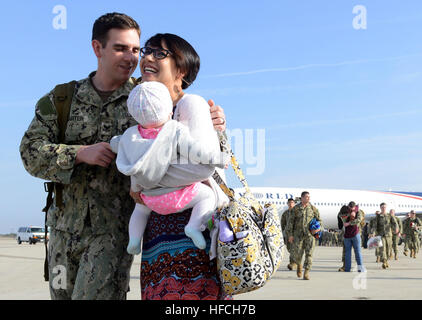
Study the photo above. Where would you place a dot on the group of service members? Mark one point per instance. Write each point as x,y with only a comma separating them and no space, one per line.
332,238
299,240
390,228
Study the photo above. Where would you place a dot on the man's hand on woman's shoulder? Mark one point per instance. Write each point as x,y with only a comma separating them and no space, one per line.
217,115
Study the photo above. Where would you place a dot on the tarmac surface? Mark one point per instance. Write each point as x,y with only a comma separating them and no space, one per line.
21,277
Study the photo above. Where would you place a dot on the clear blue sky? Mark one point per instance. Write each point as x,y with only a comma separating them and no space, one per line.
341,108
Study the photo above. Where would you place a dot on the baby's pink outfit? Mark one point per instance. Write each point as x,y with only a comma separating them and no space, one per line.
169,202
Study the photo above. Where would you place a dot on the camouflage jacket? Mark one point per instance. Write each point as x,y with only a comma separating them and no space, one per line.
298,224
407,229
371,225
359,218
101,193
285,218
362,219
384,225
399,224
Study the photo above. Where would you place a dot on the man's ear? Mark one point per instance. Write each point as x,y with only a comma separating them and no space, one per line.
97,46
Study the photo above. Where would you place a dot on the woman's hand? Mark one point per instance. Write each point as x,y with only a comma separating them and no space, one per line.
136,196
346,224
217,116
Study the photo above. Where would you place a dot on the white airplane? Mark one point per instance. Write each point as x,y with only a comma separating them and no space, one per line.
330,201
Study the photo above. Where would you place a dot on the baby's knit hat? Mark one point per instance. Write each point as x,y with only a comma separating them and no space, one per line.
150,103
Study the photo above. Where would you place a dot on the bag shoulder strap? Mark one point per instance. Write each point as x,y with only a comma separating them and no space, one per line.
225,147
63,94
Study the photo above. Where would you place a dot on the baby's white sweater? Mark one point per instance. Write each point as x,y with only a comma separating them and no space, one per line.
133,158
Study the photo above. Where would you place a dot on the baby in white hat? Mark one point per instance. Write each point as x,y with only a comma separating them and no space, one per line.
145,153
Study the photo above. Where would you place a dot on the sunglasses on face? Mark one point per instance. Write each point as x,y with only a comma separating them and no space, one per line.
157,53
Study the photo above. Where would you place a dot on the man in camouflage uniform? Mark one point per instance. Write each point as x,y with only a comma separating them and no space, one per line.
406,245
89,230
384,225
284,220
411,225
330,236
396,237
340,238
327,238
365,233
299,235
362,227
340,227
371,228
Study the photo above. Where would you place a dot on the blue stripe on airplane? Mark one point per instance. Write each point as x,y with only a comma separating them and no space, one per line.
418,194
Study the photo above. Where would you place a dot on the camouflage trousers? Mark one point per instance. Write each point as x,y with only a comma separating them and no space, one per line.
406,245
289,247
304,245
395,244
384,251
88,266
378,252
413,242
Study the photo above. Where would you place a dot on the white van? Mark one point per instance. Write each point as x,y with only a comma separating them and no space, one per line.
31,234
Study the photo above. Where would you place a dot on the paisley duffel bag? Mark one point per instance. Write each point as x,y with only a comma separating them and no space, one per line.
248,261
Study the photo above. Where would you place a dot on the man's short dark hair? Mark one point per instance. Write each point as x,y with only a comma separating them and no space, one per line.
383,204
291,199
304,193
109,21
352,204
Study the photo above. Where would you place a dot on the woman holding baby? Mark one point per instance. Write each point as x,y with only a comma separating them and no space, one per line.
173,267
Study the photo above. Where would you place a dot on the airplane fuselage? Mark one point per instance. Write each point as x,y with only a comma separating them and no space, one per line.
330,201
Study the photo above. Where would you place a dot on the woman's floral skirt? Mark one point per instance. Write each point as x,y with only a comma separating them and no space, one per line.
172,267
